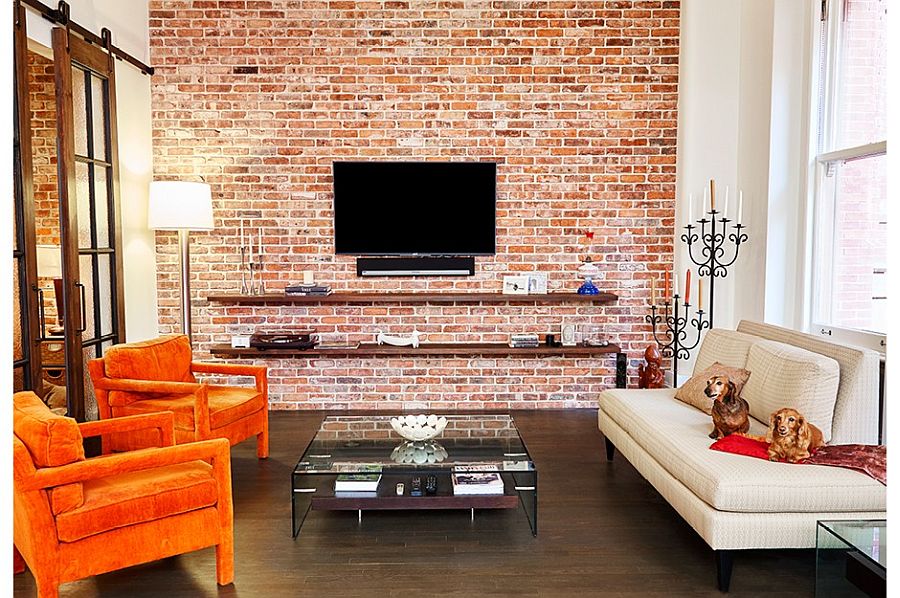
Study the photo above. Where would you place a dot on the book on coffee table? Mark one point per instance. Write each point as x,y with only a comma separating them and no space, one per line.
468,481
359,482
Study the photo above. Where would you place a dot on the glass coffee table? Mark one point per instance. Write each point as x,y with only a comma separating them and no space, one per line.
851,558
356,445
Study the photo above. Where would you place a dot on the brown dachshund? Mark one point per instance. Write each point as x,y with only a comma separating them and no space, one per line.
790,436
730,413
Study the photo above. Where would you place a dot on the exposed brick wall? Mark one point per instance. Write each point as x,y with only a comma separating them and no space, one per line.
42,96
575,100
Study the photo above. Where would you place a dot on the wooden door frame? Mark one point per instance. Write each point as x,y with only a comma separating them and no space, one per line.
31,329
69,48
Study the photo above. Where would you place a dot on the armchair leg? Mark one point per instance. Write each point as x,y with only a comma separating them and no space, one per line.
225,561
18,561
262,439
46,588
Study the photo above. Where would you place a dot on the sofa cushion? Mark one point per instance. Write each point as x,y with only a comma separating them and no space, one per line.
227,404
787,376
692,392
675,435
164,358
51,439
725,346
138,497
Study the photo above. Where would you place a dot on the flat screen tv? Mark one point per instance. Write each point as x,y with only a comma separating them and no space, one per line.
414,208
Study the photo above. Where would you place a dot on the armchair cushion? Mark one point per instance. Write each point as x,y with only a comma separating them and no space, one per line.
51,439
164,358
65,498
227,404
137,497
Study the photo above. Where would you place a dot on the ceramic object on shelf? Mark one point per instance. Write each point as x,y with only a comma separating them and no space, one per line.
419,452
418,427
589,271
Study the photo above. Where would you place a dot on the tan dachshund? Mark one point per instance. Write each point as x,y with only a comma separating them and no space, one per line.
730,413
791,437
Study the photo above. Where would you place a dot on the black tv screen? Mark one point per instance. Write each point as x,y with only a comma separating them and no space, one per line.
414,208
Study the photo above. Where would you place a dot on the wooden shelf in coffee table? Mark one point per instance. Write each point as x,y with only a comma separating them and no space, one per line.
421,297
386,498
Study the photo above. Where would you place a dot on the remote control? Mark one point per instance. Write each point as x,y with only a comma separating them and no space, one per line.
415,489
431,485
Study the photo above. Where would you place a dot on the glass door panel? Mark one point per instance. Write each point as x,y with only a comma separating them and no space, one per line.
93,247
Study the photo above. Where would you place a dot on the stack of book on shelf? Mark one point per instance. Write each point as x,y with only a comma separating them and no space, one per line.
363,482
477,480
308,289
524,340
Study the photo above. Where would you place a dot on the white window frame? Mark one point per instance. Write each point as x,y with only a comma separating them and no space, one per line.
824,118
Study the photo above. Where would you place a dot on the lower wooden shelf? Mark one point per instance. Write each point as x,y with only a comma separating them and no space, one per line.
423,349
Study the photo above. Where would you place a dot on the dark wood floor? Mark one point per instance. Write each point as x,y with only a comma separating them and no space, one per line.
604,531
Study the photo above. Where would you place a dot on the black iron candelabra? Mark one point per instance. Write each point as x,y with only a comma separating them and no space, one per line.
711,262
674,340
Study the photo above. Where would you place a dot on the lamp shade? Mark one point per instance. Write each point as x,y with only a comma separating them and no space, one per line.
49,261
180,205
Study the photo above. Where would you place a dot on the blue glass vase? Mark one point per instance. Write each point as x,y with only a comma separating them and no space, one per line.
588,288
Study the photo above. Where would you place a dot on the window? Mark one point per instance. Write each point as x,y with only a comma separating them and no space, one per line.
849,262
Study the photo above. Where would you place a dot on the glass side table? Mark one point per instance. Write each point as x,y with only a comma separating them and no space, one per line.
851,558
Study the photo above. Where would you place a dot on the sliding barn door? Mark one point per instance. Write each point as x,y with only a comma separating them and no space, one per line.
91,239
26,332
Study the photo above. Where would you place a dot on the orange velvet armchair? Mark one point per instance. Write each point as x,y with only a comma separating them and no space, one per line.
77,517
158,375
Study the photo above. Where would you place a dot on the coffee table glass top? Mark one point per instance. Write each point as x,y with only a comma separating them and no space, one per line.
867,537
348,443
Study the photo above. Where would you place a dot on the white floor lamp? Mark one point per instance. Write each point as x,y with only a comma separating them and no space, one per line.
181,206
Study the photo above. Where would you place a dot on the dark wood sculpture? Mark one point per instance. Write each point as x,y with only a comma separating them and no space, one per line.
651,375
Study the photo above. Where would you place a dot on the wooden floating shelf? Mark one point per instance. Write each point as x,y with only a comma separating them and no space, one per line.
423,349
387,297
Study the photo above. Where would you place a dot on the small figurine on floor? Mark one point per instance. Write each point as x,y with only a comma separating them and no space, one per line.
651,375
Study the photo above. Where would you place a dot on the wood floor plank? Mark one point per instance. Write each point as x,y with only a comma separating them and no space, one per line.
604,531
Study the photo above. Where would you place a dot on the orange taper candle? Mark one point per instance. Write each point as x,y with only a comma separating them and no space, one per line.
687,287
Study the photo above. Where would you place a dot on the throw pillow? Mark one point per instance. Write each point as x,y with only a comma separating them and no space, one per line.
788,376
691,392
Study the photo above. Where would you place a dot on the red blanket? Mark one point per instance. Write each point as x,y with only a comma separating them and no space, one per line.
868,459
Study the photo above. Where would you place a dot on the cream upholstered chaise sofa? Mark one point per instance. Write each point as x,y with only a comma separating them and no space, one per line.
736,502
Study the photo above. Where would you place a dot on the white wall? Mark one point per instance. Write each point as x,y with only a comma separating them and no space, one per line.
742,120
129,23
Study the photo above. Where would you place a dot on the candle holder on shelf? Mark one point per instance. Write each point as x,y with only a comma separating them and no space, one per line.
245,289
261,284
674,343
711,262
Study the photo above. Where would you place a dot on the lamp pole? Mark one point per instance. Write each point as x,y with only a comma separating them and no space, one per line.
184,243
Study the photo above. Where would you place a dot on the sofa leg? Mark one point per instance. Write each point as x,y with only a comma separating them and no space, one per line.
724,561
46,588
610,449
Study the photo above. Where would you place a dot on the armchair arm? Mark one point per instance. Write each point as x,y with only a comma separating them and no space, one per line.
147,386
164,421
258,372
216,451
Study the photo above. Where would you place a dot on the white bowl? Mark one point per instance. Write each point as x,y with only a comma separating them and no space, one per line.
418,427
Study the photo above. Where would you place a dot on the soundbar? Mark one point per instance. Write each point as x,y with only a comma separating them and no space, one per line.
415,266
